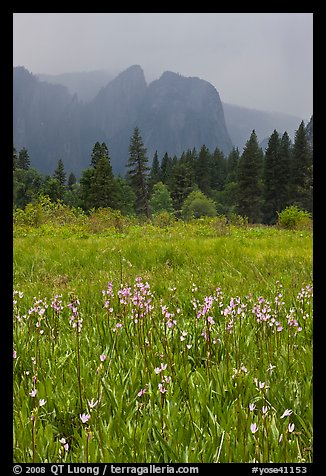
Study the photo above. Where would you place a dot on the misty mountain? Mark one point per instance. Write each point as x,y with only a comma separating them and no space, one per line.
46,120
173,113
85,84
241,121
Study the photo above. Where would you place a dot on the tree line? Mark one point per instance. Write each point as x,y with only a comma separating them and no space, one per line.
254,184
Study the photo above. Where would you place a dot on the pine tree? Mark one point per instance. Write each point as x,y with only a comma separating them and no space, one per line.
85,188
23,159
301,170
99,150
250,180
203,173
71,180
14,159
138,172
155,175
182,182
272,183
285,171
125,197
232,165
166,169
102,190
217,170
60,173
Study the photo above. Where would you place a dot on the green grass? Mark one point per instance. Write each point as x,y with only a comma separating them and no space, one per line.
204,415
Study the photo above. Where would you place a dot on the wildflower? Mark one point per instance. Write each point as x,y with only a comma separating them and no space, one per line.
244,369
253,428
189,346
33,393
91,403
161,388
252,407
157,370
64,443
84,417
265,410
141,392
102,357
270,368
42,402
287,413
210,320
14,354
291,427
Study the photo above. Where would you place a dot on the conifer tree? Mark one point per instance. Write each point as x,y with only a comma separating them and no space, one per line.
14,159
99,150
272,178
166,169
203,172
23,159
71,180
155,175
301,170
60,173
138,172
250,180
232,165
217,170
101,193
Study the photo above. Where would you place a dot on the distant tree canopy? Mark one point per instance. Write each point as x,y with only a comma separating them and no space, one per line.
253,184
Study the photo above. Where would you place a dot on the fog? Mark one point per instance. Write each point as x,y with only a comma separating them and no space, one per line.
258,60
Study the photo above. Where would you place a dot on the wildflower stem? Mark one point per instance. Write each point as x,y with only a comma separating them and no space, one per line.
78,370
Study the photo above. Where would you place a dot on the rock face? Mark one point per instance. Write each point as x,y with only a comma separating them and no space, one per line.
173,113
181,113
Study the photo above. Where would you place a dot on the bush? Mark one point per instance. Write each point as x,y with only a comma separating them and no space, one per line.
293,218
102,219
163,219
197,205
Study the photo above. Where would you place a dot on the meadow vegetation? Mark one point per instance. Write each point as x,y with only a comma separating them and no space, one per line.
160,341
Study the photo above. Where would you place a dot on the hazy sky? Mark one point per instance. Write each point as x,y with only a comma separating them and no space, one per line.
258,60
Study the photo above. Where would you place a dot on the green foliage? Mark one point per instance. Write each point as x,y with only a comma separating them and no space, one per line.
212,374
276,176
23,159
250,180
197,205
53,188
301,170
138,172
26,186
60,173
161,199
105,219
125,197
163,219
293,218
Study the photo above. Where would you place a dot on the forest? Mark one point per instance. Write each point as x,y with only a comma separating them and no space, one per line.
253,184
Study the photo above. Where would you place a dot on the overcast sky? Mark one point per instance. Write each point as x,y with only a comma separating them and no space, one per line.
258,60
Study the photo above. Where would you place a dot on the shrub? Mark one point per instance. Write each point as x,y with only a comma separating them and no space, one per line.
293,218
163,219
197,205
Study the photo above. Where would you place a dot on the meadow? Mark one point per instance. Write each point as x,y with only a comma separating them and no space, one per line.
190,342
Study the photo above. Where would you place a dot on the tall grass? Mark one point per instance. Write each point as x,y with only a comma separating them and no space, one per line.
163,346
